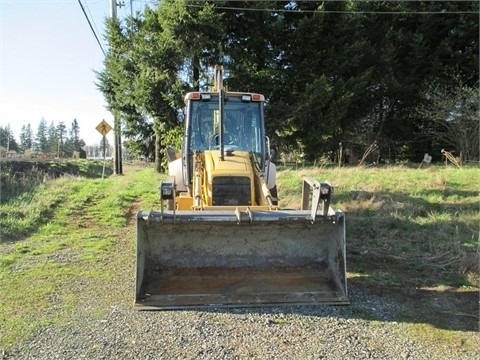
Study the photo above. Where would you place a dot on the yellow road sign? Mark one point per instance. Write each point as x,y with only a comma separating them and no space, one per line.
103,128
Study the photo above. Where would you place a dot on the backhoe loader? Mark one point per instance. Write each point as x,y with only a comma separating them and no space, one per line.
219,238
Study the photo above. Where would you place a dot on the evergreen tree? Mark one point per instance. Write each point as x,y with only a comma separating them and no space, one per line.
350,72
7,139
26,137
61,134
52,138
141,80
41,139
73,142
104,148
75,136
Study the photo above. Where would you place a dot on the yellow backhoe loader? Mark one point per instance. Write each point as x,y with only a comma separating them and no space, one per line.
219,238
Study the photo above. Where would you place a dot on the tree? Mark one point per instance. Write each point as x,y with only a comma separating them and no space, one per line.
73,142
26,137
93,151
117,83
451,117
75,139
7,140
141,80
321,68
61,134
332,72
430,42
41,139
104,147
53,141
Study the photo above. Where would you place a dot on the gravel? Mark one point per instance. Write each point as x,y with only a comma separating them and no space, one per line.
364,330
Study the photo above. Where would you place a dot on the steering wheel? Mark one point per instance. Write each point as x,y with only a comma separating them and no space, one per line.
227,141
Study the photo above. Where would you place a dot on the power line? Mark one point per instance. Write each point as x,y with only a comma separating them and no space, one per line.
341,0
91,28
91,17
338,11
191,4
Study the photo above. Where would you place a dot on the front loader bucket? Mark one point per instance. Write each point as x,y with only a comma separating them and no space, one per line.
211,258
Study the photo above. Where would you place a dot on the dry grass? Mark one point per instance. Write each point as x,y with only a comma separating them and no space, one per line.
429,215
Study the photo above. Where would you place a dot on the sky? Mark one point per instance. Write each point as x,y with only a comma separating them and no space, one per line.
48,55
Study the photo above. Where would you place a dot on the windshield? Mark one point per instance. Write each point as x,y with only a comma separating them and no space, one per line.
243,126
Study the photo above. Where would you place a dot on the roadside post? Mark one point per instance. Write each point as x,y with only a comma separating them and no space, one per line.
104,128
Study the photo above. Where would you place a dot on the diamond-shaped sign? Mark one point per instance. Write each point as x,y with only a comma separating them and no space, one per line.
103,128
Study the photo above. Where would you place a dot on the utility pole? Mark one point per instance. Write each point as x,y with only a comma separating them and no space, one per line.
117,122
8,137
113,9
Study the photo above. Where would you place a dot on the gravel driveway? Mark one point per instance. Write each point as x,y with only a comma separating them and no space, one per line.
104,325
364,330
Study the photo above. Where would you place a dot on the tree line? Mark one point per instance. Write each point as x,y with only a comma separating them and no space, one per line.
52,138
391,80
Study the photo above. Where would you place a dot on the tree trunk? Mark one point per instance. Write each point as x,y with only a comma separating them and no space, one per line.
196,73
158,151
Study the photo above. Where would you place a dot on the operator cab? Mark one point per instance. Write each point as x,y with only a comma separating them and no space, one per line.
241,125
223,124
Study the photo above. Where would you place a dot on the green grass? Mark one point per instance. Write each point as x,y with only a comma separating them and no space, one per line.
57,241
71,239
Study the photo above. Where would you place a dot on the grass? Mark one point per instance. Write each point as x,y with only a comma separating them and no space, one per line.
429,215
58,242
411,233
